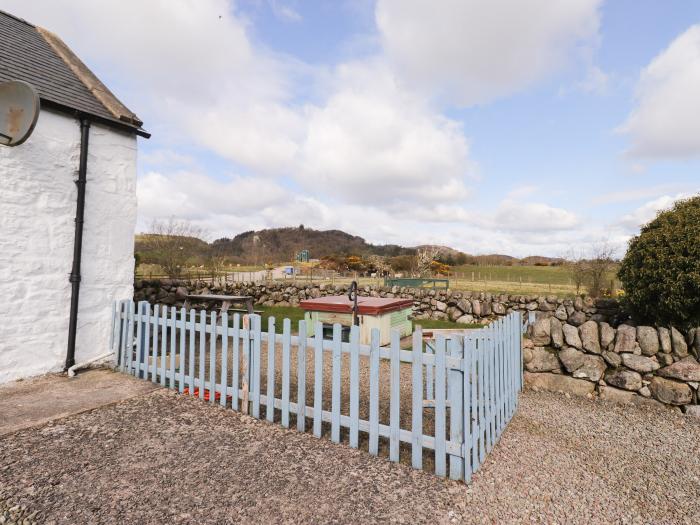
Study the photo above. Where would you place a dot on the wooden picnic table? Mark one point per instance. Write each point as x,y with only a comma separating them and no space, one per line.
226,300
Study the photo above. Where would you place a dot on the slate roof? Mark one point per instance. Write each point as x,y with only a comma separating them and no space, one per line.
62,81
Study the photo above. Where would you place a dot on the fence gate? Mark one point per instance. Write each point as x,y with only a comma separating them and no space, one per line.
444,408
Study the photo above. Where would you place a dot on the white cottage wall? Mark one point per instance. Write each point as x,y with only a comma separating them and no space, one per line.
37,211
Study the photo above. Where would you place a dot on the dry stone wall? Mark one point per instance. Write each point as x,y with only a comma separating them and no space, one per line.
464,307
575,345
630,364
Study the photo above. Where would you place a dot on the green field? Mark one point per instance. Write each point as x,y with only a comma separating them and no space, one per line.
527,274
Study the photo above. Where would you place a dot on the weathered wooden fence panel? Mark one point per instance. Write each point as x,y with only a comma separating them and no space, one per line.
463,389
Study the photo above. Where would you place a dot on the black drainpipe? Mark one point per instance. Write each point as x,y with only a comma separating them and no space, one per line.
78,242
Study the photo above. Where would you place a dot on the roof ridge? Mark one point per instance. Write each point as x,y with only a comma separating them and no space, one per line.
110,102
17,18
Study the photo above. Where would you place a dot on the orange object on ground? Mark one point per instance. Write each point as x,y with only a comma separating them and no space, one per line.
217,395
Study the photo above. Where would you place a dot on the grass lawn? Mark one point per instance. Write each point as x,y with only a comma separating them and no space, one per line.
297,314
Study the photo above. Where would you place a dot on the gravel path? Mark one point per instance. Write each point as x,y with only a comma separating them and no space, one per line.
163,458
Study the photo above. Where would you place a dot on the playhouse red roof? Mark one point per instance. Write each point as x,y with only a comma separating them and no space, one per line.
365,305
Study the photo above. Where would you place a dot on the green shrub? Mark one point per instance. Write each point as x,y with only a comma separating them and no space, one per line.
661,270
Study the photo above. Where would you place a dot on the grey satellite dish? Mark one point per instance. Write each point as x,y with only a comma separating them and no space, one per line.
19,111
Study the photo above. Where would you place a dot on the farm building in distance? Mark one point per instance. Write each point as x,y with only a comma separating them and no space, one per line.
84,139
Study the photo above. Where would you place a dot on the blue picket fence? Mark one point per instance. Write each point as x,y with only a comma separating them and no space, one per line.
460,391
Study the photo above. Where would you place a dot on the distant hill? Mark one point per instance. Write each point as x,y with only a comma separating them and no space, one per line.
281,244
276,245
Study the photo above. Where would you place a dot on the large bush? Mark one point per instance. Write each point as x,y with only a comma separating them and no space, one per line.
661,270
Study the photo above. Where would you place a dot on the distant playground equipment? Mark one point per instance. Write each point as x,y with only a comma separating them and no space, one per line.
417,282
302,256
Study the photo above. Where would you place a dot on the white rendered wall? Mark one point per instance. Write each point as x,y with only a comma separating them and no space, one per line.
37,211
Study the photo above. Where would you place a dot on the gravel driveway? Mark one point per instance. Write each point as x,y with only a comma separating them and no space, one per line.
162,458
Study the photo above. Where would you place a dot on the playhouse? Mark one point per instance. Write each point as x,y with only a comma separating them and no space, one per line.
385,314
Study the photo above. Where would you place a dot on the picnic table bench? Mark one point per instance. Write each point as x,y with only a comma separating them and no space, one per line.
225,300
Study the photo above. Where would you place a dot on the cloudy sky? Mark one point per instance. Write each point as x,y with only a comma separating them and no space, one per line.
521,127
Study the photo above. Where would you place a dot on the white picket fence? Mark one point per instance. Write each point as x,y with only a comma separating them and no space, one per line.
463,390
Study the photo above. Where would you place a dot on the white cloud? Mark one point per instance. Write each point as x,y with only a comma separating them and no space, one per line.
473,51
195,196
513,215
375,143
666,120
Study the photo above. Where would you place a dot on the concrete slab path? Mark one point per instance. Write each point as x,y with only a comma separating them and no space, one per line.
41,399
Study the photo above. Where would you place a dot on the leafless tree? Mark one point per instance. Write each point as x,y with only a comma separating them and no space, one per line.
168,241
576,265
600,267
592,268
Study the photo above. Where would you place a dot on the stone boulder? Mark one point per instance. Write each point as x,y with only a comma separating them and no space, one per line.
571,336
665,340
607,335
560,313
648,339
686,369
626,397
571,358
577,318
625,379
670,392
540,332
541,360
558,383
465,306
498,308
625,339
181,293
593,368
680,347
612,358
639,363
476,308
589,337
556,332
465,319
